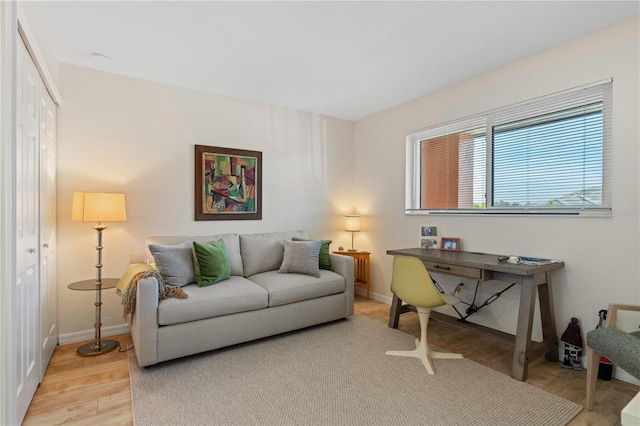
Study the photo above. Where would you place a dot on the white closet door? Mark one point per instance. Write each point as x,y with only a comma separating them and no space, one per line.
48,281
27,318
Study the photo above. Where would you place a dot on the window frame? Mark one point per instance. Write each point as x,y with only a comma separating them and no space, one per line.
600,91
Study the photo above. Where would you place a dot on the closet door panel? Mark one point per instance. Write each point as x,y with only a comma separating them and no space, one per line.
26,286
48,280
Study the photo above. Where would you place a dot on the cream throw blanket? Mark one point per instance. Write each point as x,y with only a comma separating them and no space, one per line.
128,284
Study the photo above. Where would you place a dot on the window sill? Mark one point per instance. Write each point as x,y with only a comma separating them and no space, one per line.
587,212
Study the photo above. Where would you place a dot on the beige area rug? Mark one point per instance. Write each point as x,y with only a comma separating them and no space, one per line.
334,374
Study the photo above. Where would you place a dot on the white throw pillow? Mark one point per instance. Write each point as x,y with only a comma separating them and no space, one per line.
174,262
301,257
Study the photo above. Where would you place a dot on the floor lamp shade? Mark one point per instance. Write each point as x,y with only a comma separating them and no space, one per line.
98,207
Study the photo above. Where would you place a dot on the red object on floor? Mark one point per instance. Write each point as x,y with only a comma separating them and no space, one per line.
605,369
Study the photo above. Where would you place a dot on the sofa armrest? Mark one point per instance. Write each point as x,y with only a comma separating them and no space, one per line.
344,266
144,325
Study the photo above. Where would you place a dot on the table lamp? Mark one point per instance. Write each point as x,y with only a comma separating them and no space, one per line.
98,207
352,225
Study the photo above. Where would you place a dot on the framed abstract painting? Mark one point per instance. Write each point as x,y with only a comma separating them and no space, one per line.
228,184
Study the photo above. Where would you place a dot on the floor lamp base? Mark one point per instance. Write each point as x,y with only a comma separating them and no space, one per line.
97,348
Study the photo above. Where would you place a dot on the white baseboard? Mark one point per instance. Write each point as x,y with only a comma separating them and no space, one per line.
374,296
81,336
620,374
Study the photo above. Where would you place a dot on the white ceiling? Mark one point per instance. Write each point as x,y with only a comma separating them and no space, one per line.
343,59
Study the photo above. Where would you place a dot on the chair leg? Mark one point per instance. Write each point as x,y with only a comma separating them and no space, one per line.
422,350
592,377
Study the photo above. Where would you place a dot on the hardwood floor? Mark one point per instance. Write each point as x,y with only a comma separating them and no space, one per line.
96,391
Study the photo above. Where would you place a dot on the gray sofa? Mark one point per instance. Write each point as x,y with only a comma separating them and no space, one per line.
256,301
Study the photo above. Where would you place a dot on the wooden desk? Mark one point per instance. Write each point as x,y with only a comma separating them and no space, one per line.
484,267
361,267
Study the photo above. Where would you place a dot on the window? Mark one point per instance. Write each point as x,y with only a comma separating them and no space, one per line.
546,156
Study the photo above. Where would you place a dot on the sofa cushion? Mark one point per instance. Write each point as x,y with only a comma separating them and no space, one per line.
231,241
290,288
264,252
210,263
174,262
237,294
324,258
301,257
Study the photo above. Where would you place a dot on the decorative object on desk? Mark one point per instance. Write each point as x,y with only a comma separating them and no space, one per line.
429,231
450,244
534,260
352,224
429,243
228,183
572,340
98,207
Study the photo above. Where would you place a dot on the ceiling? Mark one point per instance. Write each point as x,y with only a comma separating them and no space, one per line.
343,59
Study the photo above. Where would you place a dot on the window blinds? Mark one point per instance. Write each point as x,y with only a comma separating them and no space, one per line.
549,153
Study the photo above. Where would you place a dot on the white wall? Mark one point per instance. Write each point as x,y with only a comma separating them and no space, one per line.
601,254
123,134
120,134
35,33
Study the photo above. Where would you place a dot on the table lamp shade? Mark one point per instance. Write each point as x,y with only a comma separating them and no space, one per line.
352,223
98,207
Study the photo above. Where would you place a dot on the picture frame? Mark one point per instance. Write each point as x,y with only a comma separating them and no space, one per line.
228,183
429,231
429,243
449,244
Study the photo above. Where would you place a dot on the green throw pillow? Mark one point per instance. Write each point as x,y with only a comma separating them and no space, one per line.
210,263
325,260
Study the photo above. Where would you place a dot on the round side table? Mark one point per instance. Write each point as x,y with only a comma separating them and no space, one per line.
98,346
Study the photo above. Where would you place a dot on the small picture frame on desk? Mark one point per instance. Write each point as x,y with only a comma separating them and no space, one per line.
449,244
429,243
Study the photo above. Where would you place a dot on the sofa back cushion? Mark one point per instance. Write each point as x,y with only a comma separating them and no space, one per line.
264,252
231,242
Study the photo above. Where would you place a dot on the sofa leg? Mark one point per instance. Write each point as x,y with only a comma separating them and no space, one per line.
592,377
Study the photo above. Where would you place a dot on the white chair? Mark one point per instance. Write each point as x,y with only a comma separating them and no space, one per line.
412,284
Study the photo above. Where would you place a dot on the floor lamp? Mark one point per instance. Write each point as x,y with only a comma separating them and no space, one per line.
98,207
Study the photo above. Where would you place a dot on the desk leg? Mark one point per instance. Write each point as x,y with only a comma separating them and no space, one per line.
524,327
548,319
395,311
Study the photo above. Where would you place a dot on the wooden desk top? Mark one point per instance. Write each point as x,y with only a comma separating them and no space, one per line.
485,261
